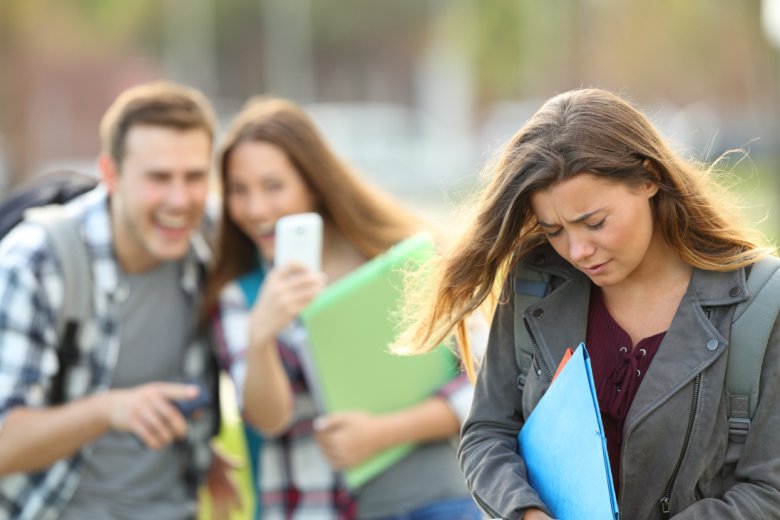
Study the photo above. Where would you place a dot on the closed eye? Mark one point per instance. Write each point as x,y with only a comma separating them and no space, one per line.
236,189
553,234
597,225
272,185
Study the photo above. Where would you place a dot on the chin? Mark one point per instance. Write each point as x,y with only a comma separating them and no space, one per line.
171,252
265,255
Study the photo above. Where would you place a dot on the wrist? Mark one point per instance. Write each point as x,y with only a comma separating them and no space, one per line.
102,404
261,339
261,348
389,430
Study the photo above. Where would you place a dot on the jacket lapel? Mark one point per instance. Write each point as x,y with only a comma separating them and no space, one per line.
695,332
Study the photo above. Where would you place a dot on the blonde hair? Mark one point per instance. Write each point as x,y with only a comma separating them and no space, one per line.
587,130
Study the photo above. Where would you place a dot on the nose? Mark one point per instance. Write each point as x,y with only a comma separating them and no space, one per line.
257,207
580,249
178,195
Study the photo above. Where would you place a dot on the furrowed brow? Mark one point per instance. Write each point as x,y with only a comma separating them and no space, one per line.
581,218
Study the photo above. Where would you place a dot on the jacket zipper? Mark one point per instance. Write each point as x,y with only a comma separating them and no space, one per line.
538,352
665,502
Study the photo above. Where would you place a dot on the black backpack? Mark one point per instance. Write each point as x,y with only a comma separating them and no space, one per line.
40,200
56,187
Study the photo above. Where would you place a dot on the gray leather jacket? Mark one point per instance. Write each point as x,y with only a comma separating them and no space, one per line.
683,386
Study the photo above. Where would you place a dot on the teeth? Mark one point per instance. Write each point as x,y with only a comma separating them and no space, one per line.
171,221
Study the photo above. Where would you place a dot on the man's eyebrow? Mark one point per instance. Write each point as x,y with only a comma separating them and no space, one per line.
581,218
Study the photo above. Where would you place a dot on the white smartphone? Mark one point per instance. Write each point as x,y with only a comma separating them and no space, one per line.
299,237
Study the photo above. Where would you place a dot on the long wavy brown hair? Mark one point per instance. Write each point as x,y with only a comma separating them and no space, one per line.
369,219
587,130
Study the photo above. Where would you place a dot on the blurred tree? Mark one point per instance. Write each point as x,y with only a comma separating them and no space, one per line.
56,64
66,60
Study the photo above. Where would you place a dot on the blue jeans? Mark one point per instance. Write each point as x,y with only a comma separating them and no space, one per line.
450,509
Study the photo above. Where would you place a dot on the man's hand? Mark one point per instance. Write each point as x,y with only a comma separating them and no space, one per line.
222,486
147,411
348,438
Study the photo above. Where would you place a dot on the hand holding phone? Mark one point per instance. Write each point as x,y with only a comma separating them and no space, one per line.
189,407
298,237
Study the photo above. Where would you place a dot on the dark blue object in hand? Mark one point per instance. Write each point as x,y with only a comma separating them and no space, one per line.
189,407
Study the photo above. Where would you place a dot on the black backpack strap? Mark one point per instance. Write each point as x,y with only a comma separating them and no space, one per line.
68,246
214,366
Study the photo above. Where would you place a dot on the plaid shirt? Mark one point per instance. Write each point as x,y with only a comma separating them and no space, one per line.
295,480
31,296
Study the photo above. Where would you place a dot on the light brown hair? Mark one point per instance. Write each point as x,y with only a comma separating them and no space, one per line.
592,131
160,103
369,219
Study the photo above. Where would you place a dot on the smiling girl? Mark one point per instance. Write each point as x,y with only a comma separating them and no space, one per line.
274,163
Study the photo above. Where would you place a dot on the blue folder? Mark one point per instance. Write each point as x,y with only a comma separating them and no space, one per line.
564,448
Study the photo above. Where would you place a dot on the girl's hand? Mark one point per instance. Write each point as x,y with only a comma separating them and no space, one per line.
285,292
348,438
536,514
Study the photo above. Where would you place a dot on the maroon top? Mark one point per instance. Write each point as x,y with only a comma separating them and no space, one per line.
618,371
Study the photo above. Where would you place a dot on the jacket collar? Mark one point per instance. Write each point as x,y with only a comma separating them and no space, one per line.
713,288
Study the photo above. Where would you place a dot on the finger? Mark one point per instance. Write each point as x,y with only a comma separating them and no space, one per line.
293,278
174,421
325,442
219,509
177,391
304,292
337,462
230,460
233,463
147,433
300,301
232,496
321,423
330,423
293,267
238,504
165,422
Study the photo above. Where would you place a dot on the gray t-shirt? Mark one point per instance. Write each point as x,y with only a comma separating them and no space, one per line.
123,479
427,474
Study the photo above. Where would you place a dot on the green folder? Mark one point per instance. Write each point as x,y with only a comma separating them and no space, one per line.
350,327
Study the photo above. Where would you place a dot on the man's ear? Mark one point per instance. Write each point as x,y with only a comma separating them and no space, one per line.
109,172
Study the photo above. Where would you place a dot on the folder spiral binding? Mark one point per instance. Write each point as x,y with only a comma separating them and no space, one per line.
564,447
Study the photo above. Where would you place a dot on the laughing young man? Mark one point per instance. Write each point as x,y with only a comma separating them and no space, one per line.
118,447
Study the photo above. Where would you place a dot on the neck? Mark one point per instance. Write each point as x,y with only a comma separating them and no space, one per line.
130,256
662,273
339,256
